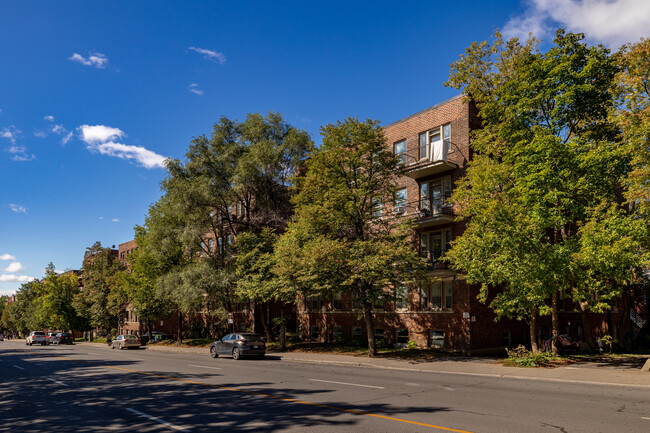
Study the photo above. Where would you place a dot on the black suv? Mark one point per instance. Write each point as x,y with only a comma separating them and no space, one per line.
63,338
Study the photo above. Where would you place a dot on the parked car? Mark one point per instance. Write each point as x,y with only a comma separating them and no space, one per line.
239,345
2,338
37,337
158,335
63,338
125,342
50,337
567,344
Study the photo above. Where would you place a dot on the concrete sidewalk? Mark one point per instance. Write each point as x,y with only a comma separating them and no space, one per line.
588,373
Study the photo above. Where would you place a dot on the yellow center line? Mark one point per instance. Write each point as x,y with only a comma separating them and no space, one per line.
259,394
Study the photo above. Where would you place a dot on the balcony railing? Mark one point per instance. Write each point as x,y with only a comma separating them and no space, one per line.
435,162
425,214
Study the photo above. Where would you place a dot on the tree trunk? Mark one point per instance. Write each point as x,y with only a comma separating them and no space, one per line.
370,328
283,333
149,330
586,330
555,324
533,331
265,323
179,339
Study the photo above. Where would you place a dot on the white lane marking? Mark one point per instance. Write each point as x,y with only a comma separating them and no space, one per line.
135,359
93,353
56,381
344,383
158,420
203,366
18,367
645,417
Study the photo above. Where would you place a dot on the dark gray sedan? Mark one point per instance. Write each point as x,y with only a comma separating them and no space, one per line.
239,345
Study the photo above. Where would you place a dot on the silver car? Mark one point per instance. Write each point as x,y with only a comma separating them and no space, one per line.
125,342
37,337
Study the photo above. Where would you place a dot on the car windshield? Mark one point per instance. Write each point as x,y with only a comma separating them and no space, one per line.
39,333
252,337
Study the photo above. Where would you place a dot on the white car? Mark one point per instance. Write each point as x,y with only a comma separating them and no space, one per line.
37,337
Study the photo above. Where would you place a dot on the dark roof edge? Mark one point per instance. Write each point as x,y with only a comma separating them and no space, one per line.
425,110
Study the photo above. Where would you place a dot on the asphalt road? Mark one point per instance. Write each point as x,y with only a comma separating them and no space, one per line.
88,387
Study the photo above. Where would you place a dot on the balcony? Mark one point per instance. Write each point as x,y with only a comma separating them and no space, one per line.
438,268
434,215
436,162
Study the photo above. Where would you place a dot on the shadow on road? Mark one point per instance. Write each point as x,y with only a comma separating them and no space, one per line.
50,394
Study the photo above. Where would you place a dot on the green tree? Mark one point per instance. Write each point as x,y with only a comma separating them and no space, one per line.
337,242
546,178
234,181
100,265
55,303
22,315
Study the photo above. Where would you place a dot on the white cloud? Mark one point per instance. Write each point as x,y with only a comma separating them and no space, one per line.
49,118
19,152
67,138
96,60
14,267
99,138
40,134
99,133
7,257
59,129
10,133
115,220
214,56
142,156
18,208
611,22
100,218
194,89
16,278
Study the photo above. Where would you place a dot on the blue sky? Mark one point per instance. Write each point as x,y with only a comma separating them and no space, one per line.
94,95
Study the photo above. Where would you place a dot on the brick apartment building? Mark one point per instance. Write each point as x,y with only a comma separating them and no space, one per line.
434,146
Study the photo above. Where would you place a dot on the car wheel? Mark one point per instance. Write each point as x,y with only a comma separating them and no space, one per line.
112,346
260,356
121,346
213,352
236,354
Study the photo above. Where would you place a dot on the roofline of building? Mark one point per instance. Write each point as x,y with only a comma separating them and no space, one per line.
425,110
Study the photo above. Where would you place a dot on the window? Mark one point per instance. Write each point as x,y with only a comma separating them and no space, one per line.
436,143
507,341
376,207
314,332
401,298
239,209
379,335
337,304
423,145
434,244
242,327
436,339
400,150
438,296
357,332
314,303
337,333
435,195
229,239
402,336
220,244
400,201
211,245
357,303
